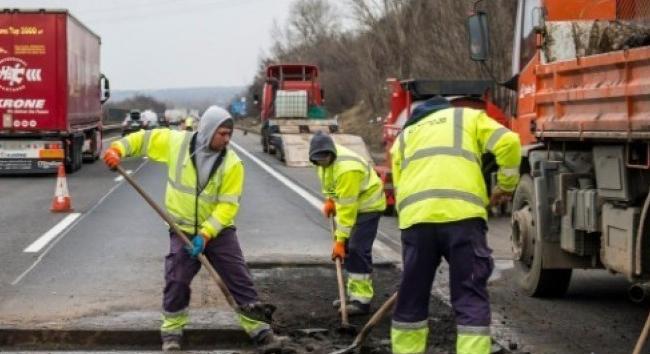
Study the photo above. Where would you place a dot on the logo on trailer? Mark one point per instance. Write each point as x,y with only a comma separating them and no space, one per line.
14,73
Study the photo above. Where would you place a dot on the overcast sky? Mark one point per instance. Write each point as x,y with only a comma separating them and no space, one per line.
176,43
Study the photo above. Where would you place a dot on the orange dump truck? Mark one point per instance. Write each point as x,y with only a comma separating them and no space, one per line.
581,73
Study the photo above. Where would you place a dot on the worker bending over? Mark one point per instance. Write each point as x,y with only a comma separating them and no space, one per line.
204,184
355,196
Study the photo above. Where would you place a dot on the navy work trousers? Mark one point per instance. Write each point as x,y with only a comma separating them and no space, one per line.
358,257
225,255
463,244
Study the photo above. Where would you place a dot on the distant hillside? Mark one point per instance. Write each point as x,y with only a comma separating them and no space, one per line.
191,97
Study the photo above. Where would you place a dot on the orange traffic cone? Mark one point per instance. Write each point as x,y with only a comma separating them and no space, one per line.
62,201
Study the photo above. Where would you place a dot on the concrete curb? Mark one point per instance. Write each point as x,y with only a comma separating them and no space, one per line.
86,340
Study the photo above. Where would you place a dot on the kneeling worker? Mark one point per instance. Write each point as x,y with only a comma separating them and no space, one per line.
204,183
355,196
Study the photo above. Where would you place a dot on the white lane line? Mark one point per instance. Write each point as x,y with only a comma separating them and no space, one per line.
120,178
64,233
315,202
386,251
51,234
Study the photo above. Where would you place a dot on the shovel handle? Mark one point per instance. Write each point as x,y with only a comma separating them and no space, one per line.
343,305
204,261
339,279
386,307
642,337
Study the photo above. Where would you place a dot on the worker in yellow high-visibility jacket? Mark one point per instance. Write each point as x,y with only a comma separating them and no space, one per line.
355,197
204,184
441,199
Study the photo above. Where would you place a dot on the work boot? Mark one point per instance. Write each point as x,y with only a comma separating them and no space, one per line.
171,344
354,307
269,342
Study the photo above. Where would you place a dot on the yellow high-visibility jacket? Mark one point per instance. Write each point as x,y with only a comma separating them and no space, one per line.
355,188
218,203
436,165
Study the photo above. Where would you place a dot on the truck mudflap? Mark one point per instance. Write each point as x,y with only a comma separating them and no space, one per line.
293,149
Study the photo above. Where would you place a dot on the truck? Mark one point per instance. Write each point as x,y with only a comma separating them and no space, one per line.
292,110
51,92
580,82
406,95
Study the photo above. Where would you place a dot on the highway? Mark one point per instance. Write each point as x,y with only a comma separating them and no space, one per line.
104,268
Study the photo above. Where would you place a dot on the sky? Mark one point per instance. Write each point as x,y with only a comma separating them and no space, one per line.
154,44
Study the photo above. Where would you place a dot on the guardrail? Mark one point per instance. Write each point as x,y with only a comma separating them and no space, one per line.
111,127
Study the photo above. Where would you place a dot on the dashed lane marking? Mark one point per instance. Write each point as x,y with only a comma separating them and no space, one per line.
67,229
120,178
51,234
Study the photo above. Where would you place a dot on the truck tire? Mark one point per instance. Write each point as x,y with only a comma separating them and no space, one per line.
96,143
75,157
531,276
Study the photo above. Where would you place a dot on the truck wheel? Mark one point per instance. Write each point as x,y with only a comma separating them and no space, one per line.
527,247
96,144
75,158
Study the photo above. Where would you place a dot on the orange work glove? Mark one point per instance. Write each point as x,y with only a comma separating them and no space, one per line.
329,208
338,250
112,158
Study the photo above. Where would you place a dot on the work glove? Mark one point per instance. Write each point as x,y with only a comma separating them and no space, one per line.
338,250
112,158
198,245
329,208
499,196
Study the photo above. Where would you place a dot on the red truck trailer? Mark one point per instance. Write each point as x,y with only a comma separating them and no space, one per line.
50,92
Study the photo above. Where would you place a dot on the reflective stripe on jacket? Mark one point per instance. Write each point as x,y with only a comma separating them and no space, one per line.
218,203
436,165
354,186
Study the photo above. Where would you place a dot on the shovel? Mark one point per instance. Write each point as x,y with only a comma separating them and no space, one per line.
204,261
374,320
345,327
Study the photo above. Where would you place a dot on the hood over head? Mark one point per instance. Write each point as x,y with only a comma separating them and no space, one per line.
320,146
213,118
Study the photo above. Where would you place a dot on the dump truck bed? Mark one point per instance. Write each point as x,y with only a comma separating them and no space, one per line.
605,96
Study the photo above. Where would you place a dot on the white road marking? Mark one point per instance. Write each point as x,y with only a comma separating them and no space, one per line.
64,233
315,202
120,178
51,233
379,245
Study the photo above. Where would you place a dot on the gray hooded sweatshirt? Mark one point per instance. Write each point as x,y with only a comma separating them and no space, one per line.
211,119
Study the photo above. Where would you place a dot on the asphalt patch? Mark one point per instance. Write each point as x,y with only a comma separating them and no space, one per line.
303,297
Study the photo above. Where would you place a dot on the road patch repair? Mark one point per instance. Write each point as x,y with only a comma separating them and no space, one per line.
306,316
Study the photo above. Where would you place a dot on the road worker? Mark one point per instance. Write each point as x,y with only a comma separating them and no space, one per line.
355,197
441,199
204,185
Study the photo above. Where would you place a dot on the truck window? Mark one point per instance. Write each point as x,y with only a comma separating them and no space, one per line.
530,14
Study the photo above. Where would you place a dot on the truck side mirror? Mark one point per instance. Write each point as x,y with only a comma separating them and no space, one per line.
105,88
479,41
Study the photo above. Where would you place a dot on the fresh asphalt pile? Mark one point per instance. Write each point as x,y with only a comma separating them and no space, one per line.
304,296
